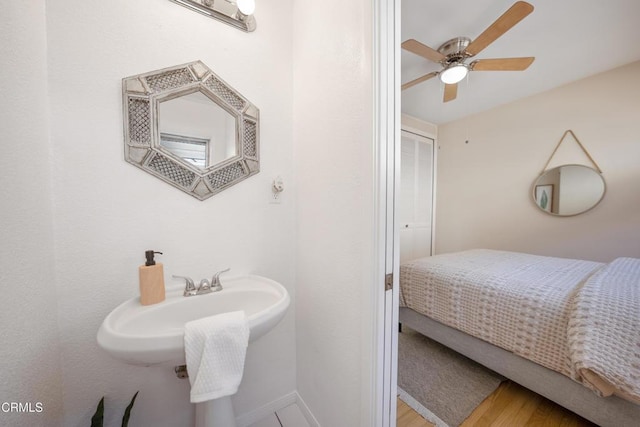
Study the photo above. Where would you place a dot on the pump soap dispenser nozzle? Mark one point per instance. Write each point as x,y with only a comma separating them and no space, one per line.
150,256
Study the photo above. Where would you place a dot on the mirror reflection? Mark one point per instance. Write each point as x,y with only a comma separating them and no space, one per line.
196,129
568,190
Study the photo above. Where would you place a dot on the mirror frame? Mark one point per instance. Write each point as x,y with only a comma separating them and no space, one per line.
535,202
142,94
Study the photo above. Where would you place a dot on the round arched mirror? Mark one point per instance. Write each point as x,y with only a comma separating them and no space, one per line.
568,190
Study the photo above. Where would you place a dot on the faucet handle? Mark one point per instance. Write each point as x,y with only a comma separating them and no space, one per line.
190,287
215,281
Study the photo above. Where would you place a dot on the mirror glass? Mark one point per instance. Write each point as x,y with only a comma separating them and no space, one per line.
196,129
568,190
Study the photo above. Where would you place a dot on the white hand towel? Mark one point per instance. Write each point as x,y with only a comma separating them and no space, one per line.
215,349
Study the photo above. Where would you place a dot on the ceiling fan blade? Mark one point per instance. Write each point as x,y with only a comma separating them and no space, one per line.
450,92
501,64
414,46
419,80
504,23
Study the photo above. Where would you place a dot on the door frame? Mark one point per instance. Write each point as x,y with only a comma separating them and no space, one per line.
382,379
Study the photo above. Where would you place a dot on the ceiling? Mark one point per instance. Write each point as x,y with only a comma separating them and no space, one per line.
570,39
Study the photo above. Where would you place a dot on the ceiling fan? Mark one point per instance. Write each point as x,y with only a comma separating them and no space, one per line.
453,54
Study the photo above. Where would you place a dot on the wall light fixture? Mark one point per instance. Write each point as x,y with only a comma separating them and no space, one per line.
238,13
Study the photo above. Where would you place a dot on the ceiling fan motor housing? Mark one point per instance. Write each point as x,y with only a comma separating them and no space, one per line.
454,50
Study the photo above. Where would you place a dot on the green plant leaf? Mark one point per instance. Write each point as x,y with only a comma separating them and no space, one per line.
98,417
127,412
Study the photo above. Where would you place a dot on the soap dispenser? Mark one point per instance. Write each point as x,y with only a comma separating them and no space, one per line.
151,280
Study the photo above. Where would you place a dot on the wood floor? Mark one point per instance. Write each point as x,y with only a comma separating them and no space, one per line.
510,405
407,417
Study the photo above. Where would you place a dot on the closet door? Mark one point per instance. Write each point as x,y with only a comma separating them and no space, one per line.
415,208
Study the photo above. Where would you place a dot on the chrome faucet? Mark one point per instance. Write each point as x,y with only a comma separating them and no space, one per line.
204,287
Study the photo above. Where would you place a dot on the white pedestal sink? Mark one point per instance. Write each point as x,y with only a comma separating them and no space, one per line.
154,334
214,413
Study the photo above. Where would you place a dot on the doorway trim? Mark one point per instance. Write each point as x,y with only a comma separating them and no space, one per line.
380,379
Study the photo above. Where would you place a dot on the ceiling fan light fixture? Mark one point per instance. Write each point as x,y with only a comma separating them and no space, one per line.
454,73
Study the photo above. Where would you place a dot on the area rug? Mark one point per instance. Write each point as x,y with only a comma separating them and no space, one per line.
438,383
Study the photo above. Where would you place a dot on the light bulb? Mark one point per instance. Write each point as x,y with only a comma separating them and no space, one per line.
246,7
454,73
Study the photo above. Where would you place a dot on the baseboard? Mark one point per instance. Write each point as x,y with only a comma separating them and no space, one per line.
246,419
306,412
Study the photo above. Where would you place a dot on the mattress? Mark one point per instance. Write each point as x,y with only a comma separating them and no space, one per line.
519,302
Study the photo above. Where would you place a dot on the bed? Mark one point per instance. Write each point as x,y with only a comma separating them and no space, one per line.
566,329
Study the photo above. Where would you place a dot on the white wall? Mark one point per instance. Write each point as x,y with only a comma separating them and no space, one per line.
107,212
29,351
484,187
333,100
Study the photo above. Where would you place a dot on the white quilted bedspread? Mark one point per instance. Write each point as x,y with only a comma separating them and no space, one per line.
517,301
604,331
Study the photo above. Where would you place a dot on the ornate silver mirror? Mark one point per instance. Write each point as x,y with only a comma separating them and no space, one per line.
186,126
568,190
